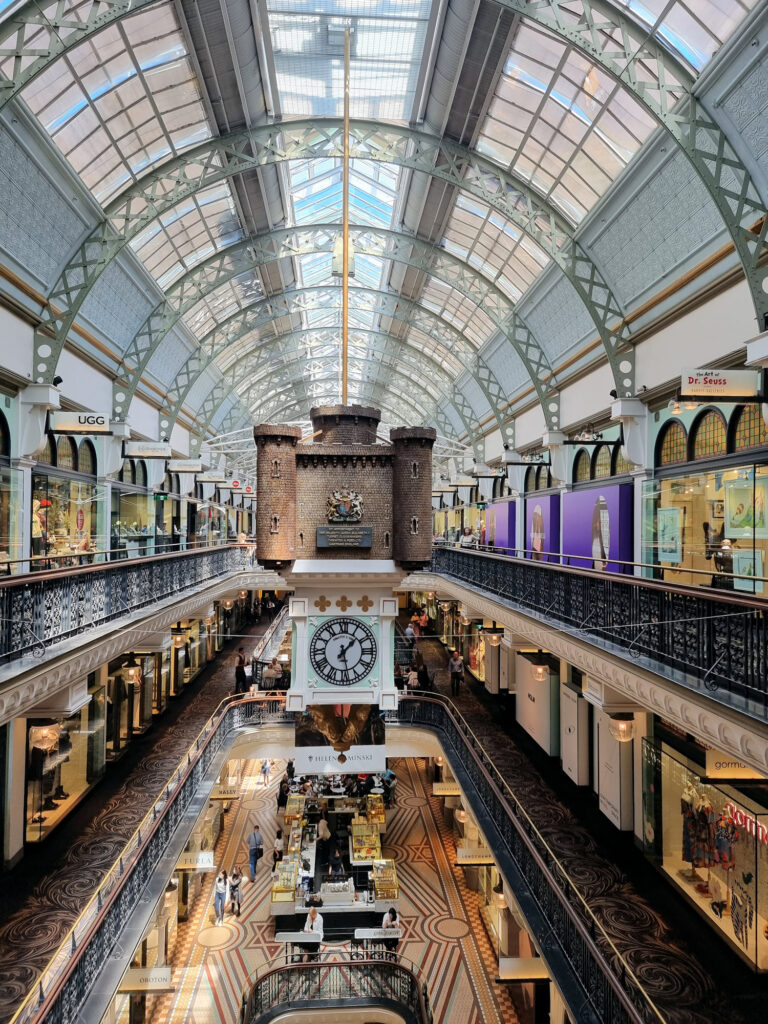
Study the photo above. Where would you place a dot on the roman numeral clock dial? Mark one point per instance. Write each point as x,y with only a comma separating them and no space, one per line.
343,651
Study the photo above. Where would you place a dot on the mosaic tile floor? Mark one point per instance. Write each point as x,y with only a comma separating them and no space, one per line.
444,935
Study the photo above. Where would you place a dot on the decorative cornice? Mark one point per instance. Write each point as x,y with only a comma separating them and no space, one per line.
725,728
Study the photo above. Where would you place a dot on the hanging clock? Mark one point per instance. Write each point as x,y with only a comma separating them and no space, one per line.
343,651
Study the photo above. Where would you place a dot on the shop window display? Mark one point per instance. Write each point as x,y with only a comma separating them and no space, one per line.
10,504
64,520
64,759
132,532
476,651
711,841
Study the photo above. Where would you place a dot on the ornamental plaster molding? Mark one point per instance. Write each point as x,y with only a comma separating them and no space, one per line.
725,728
35,681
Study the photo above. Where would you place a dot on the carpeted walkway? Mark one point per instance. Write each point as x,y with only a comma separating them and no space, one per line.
43,896
691,975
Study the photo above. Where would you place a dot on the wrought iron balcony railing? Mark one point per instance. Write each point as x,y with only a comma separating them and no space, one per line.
41,609
712,640
337,980
596,981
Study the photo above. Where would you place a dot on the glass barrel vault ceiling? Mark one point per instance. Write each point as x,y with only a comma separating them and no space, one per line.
129,99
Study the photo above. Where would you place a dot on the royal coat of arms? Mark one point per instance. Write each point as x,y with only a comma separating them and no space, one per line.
345,506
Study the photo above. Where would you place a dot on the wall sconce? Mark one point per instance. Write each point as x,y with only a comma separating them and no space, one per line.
445,607
498,895
622,727
541,673
132,671
439,760
228,604
178,636
208,620
243,595
492,637
464,619
461,815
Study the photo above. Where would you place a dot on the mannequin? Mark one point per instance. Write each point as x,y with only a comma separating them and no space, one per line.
38,529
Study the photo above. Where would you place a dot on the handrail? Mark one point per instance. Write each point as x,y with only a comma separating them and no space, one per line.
266,637
554,559
252,1007
69,974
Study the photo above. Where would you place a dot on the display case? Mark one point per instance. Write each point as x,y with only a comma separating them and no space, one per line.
293,847
294,809
364,844
375,809
284,884
384,878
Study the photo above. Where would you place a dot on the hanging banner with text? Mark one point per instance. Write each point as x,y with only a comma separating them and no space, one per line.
79,423
720,384
146,450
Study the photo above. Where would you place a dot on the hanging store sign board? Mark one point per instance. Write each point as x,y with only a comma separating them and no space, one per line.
146,979
146,450
200,860
211,478
80,423
727,384
225,791
726,766
185,466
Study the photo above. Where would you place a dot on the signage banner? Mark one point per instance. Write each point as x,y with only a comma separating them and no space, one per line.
146,450
80,423
200,860
322,729
344,535
726,766
185,466
225,791
211,477
146,979
720,384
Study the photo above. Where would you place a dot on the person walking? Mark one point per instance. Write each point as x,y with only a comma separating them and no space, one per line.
266,768
282,797
240,680
456,670
255,850
220,895
278,849
235,882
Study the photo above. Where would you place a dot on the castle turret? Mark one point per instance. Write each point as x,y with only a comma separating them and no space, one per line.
345,424
412,495
276,493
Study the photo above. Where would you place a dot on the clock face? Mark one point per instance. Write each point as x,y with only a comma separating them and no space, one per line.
343,651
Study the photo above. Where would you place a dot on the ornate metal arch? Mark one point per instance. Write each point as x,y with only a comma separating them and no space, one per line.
231,331
223,157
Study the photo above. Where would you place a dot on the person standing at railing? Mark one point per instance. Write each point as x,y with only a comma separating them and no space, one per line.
467,539
240,680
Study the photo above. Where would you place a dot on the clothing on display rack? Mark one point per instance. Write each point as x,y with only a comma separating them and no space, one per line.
704,839
726,834
688,802
742,913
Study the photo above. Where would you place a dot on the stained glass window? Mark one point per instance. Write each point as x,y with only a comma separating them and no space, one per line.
5,438
710,435
87,458
581,466
530,479
141,473
673,446
621,464
543,479
602,462
127,473
66,453
751,430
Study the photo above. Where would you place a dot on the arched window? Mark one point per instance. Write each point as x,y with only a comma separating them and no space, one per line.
167,482
176,488
86,458
543,478
750,430
5,438
128,472
48,451
709,435
141,473
672,444
602,462
581,466
621,464
66,453
530,479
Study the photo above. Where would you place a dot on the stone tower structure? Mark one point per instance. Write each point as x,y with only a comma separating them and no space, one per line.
345,424
276,493
412,495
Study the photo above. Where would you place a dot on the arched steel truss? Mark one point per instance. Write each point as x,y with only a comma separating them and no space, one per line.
241,324
609,36
221,158
223,266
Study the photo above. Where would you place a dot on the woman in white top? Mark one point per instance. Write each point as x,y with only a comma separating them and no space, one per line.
313,924
278,849
220,895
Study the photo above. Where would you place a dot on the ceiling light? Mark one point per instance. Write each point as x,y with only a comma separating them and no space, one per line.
178,636
622,727
132,671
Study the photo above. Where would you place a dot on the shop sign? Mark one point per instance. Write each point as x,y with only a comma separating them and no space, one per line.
489,472
185,466
249,489
80,423
225,791
748,822
200,860
720,384
211,478
146,450
146,979
726,766
80,519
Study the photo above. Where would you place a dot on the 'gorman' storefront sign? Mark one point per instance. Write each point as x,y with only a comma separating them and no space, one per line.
720,384
80,423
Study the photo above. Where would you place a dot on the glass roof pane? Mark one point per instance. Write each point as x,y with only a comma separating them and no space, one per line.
316,192
188,233
459,311
552,111
122,101
694,29
387,41
238,293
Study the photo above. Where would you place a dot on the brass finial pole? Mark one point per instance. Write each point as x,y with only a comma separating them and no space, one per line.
345,231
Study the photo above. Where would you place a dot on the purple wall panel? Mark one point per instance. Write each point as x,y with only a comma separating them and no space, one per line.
597,527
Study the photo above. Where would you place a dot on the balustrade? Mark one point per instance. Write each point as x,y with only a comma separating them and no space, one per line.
713,639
